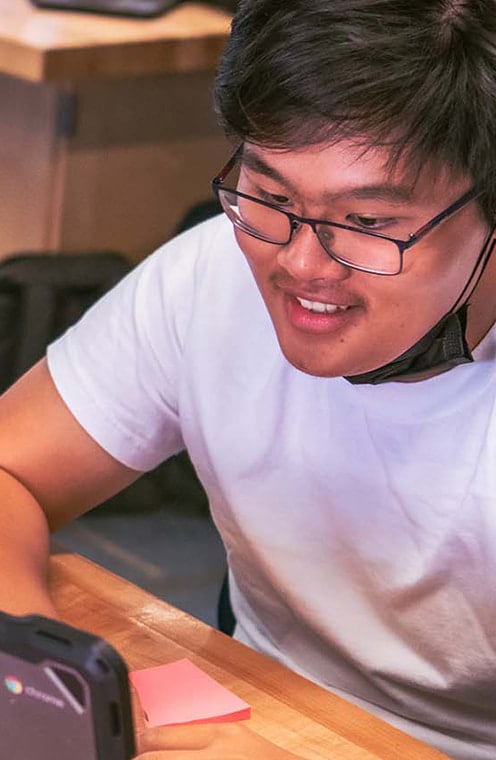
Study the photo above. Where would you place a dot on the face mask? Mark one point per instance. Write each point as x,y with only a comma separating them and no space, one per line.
442,348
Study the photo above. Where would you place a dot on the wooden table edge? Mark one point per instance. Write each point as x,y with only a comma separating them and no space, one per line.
366,731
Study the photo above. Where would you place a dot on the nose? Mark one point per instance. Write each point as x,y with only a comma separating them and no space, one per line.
304,258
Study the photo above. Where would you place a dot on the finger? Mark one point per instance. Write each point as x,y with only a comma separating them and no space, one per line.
138,714
188,737
208,742
169,755
166,755
177,754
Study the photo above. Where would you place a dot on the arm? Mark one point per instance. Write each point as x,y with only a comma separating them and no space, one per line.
51,471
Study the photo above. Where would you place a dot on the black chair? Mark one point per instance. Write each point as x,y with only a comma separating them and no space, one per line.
41,294
226,621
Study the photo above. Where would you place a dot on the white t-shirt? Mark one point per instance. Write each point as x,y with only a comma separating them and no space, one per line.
359,521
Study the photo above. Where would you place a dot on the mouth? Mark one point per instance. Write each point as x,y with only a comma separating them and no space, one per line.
319,317
318,307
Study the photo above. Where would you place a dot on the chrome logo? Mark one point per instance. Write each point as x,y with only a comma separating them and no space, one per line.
13,685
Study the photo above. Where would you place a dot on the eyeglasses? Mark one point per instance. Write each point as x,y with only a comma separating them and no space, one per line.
365,250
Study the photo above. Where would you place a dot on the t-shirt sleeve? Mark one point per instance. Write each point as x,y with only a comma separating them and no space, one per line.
118,369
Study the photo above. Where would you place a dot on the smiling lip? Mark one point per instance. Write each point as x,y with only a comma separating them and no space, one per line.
314,316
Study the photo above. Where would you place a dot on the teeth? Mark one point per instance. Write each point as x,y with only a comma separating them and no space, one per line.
320,308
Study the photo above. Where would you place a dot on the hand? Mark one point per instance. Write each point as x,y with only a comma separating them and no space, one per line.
221,741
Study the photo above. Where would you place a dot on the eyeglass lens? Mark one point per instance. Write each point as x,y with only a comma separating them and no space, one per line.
365,252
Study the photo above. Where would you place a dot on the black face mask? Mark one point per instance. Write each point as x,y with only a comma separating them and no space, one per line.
442,348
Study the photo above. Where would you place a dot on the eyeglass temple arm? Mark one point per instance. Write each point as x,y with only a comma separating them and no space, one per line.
227,168
470,195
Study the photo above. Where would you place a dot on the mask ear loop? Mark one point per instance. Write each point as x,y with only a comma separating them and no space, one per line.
482,261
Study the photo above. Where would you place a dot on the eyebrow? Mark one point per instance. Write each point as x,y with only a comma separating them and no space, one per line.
386,191
257,164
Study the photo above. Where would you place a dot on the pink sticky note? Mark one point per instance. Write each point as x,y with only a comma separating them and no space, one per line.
182,693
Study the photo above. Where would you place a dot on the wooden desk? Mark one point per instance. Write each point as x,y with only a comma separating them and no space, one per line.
286,709
107,133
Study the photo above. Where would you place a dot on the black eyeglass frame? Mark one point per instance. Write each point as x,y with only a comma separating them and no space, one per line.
296,221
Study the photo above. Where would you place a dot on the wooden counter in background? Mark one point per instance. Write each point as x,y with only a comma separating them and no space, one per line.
107,134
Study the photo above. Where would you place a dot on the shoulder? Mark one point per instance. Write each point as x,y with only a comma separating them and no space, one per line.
190,285
209,242
203,263
179,269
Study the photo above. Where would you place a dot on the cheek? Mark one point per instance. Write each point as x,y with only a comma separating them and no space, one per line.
449,254
438,270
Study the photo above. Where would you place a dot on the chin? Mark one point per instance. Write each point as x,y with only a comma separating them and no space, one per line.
310,365
331,366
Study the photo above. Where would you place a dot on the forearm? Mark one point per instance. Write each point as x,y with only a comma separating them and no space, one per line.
24,551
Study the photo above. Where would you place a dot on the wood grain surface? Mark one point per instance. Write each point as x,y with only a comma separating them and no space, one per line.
286,708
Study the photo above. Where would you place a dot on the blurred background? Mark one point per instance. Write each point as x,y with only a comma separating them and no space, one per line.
108,143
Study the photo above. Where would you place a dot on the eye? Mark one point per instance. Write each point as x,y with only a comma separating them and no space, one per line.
250,183
278,200
369,222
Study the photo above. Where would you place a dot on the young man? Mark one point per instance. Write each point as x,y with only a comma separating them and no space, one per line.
326,351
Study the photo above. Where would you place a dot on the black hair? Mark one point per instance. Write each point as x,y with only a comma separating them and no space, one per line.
416,75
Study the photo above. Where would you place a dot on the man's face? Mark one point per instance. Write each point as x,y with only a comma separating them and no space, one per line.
379,317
